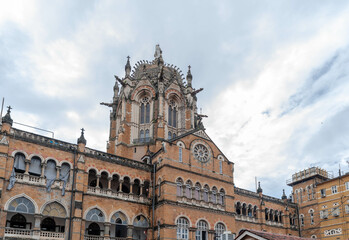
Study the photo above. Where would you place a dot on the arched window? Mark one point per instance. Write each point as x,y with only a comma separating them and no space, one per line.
18,221
169,135
136,187
141,135
145,110
172,113
146,188
95,215
266,211
249,210
147,135
126,185
180,154
280,217
104,180
219,229
238,208
188,187
197,191
50,174
140,228
202,230
276,216
182,228
214,195
119,223
179,187
301,218
94,229
22,205
221,196
206,190
64,175
244,209
311,212
35,166
115,183
48,224
92,179
271,215
255,211
19,164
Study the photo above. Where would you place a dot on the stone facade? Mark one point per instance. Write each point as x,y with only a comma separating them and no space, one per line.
162,177
323,203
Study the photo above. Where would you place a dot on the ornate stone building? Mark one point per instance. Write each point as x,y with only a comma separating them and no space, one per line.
162,177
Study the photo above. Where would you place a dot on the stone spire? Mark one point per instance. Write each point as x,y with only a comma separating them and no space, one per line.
189,77
82,139
7,118
283,194
128,67
259,189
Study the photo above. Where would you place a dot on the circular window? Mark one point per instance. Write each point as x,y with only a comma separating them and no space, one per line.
201,153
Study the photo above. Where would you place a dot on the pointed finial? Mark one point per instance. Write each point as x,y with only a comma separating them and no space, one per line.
128,67
7,118
189,76
259,189
82,139
283,194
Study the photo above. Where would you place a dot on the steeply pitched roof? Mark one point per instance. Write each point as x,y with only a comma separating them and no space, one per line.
267,235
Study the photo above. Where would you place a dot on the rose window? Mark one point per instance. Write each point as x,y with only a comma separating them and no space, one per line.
201,153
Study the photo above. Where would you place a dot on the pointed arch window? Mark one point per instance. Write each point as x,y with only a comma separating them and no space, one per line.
172,114
145,110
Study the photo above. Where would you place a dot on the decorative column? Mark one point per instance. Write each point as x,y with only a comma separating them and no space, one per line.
43,167
129,231
142,189
27,161
106,230
109,183
131,187
120,185
37,222
98,177
58,170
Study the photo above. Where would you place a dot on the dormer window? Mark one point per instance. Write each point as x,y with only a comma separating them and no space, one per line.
145,110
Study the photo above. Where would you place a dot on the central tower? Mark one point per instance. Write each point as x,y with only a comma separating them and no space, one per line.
154,103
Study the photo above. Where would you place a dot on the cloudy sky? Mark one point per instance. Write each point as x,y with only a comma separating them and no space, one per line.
275,73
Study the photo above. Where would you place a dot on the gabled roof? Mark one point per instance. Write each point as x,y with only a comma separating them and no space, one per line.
260,235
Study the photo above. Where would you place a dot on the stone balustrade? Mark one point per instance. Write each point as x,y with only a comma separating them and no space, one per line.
200,203
36,180
18,233
118,195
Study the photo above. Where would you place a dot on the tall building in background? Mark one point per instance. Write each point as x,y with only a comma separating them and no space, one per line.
162,177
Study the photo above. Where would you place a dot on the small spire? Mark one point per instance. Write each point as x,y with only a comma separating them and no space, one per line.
128,66
283,194
7,118
189,76
82,139
259,189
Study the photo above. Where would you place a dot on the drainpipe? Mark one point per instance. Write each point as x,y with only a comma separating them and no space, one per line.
154,184
72,196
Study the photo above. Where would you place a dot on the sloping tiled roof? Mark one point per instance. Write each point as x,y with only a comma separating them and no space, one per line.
273,236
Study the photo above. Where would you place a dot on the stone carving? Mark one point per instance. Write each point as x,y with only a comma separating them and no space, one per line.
4,141
202,134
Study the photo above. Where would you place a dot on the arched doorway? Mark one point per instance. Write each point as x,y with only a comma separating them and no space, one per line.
140,229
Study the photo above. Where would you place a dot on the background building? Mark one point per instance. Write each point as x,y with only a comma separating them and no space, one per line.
161,177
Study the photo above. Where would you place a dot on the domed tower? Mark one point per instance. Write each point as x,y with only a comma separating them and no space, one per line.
154,104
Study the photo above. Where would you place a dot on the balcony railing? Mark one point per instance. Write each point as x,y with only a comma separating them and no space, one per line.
118,195
36,180
143,140
32,234
200,203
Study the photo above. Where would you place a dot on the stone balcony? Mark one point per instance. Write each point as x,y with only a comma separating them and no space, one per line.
200,203
16,233
118,195
39,181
